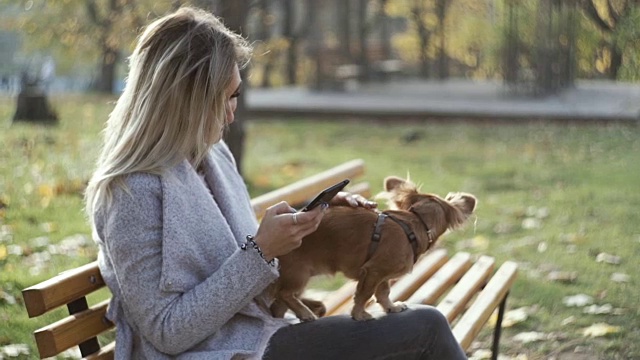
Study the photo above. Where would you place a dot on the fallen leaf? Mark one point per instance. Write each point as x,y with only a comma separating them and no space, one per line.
39,242
539,213
515,316
8,298
600,329
502,228
577,300
48,227
569,320
531,223
46,190
481,354
542,247
563,276
14,350
608,258
477,242
73,353
6,233
598,310
15,250
531,336
620,277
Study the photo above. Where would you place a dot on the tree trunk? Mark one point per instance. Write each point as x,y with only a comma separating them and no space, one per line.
344,29
234,14
363,58
384,31
107,78
441,13
32,104
292,49
424,38
263,34
616,63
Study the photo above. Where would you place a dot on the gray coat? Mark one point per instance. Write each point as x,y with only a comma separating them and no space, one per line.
169,252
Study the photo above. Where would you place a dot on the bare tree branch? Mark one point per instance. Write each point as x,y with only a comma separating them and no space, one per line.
592,12
613,12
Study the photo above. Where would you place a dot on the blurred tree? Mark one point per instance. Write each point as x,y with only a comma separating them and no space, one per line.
539,49
89,31
608,16
363,45
344,29
105,17
265,24
441,7
234,13
420,17
295,32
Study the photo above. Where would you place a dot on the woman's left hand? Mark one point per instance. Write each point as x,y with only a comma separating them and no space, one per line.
354,200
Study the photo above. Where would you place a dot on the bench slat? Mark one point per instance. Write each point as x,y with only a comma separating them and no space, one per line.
400,290
337,299
107,352
72,330
299,191
442,280
361,189
453,304
488,300
422,270
62,289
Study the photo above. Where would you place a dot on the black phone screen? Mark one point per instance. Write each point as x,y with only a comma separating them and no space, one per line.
326,195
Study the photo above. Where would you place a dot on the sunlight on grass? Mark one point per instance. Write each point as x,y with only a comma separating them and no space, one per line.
551,197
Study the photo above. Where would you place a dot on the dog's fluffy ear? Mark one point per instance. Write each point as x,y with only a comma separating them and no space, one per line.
398,192
458,207
463,201
393,182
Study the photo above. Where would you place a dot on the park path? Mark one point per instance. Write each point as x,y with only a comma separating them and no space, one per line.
587,100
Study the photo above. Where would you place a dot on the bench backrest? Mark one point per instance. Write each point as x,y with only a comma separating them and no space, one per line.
71,288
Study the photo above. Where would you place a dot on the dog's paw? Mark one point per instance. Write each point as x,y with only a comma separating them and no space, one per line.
361,316
397,307
307,318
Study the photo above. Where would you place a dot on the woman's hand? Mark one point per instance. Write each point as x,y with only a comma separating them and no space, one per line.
282,228
354,200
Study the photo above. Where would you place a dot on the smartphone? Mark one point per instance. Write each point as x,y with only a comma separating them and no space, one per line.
326,195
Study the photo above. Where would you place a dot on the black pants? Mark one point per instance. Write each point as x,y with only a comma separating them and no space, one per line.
420,332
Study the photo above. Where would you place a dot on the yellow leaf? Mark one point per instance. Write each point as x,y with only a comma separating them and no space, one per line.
600,329
3,252
46,190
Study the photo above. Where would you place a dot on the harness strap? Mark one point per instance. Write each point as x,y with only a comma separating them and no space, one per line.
410,235
426,227
375,238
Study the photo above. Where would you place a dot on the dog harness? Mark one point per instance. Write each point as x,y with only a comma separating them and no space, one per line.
411,236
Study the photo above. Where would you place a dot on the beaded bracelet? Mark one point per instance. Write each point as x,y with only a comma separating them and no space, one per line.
251,241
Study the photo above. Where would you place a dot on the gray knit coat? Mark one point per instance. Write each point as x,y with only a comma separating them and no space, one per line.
169,252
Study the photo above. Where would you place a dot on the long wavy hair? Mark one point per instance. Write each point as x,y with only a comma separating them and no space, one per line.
173,106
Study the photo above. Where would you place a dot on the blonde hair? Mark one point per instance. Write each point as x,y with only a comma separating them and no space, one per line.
173,106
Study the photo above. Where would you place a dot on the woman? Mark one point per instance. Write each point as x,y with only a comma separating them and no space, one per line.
180,247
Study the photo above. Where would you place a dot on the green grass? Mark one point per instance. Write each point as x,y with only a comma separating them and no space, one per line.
582,180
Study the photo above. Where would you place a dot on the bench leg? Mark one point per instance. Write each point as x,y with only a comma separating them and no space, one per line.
497,331
90,346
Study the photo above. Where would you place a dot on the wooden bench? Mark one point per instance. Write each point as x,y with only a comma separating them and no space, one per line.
466,291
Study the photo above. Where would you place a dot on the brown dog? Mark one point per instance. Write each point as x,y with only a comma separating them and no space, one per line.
343,242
